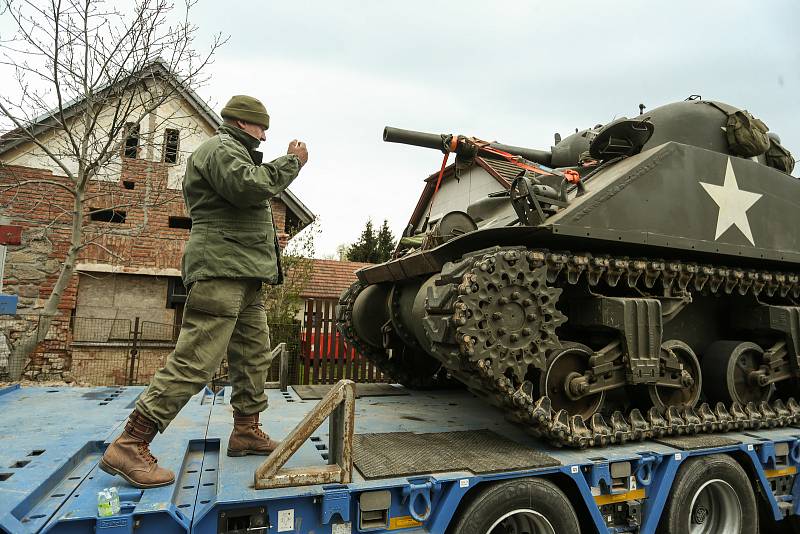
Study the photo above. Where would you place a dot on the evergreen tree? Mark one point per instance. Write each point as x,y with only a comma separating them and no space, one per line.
372,247
386,242
366,248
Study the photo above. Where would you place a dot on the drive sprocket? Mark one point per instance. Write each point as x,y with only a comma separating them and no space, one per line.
506,314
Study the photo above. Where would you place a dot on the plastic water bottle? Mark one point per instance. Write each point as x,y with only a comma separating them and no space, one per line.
108,502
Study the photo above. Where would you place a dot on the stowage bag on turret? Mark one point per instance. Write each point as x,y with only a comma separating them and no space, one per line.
747,135
778,157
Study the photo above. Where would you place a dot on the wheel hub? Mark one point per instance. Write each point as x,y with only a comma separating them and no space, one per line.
699,515
715,509
509,316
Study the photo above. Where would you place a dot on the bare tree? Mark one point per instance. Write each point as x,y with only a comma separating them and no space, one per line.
88,73
284,301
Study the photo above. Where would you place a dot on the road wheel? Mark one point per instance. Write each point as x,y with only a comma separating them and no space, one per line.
726,369
663,397
527,505
710,495
564,364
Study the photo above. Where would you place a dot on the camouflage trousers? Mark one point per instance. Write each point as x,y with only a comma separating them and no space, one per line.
222,316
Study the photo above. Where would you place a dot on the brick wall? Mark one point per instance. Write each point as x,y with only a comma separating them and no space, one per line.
279,217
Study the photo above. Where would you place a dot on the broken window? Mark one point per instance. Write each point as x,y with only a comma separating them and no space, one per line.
131,149
171,142
111,216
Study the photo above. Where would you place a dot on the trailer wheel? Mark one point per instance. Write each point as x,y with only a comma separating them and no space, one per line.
710,495
526,505
792,525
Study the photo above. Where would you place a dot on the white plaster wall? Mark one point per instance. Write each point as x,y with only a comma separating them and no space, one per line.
179,115
176,113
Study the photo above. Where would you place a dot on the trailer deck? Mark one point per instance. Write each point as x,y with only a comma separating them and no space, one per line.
51,440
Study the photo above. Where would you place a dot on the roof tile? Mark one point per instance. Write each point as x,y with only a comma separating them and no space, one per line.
329,278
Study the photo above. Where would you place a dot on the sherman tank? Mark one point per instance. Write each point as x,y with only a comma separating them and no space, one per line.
639,279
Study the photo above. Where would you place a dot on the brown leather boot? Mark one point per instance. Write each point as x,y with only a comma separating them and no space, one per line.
247,437
129,455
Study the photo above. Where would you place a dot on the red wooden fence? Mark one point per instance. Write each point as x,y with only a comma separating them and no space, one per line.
326,358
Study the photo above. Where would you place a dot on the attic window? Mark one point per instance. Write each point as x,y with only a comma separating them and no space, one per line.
180,222
128,184
292,224
131,149
171,142
111,216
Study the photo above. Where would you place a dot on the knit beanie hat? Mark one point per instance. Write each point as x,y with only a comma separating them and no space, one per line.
246,108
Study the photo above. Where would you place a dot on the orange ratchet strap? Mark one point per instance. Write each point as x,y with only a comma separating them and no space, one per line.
572,176
511,158
452,148
441,172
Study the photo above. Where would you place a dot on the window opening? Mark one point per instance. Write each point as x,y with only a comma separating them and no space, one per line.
111,216
131,140
180,222
171,141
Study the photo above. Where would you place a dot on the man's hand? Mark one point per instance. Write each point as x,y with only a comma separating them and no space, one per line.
298,148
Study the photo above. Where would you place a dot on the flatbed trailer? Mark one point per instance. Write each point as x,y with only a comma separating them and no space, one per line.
437,461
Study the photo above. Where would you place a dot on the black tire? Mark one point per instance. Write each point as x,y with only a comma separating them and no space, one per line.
539,496
717,477
790,525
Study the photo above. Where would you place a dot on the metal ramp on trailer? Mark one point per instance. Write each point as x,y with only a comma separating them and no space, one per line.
51,440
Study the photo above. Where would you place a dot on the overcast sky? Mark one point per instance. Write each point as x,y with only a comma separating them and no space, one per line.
334,73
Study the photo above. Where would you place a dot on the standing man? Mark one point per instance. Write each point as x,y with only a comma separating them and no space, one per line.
231,254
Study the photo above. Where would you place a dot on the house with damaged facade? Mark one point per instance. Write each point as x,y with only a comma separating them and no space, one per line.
127,274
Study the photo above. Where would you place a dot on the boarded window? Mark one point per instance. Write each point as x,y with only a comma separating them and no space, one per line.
180,222
124,297
111,216
131,149
171,144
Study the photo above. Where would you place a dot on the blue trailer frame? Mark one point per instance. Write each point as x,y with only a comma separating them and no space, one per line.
52,438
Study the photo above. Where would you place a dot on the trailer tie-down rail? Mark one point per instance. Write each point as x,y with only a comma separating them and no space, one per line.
339,404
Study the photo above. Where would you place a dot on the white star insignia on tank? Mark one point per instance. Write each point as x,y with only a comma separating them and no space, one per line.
733,204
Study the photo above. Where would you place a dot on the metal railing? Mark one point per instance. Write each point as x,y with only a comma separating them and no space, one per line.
97,351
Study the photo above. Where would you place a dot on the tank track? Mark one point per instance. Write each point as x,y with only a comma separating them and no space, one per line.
450,322
399,368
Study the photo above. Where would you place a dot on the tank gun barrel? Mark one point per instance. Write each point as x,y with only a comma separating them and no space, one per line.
460,144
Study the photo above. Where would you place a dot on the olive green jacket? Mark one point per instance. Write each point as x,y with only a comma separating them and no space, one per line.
227,192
